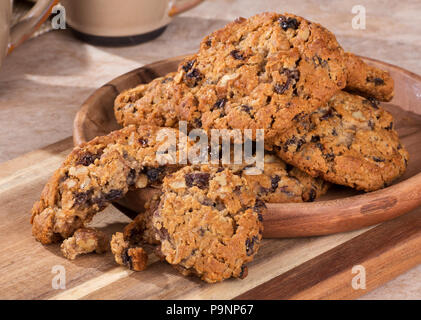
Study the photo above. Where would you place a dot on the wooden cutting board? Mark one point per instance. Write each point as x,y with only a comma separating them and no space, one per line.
309,268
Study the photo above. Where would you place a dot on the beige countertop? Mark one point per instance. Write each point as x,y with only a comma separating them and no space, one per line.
44,81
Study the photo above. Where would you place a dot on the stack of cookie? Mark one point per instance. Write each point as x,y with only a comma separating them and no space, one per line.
319,109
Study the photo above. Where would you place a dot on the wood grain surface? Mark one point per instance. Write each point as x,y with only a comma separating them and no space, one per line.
384,251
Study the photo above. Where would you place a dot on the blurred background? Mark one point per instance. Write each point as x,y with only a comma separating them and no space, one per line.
44,81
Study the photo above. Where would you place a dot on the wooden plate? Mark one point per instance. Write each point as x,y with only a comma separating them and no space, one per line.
342,209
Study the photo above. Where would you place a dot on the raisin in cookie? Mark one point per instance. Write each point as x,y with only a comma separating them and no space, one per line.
84,240
350,141
97,173
255,73
209,222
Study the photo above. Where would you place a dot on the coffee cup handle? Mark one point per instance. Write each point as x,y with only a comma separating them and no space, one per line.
180,8
30,22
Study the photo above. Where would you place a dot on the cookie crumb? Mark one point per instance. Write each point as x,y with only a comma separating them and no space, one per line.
135,258
85,240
